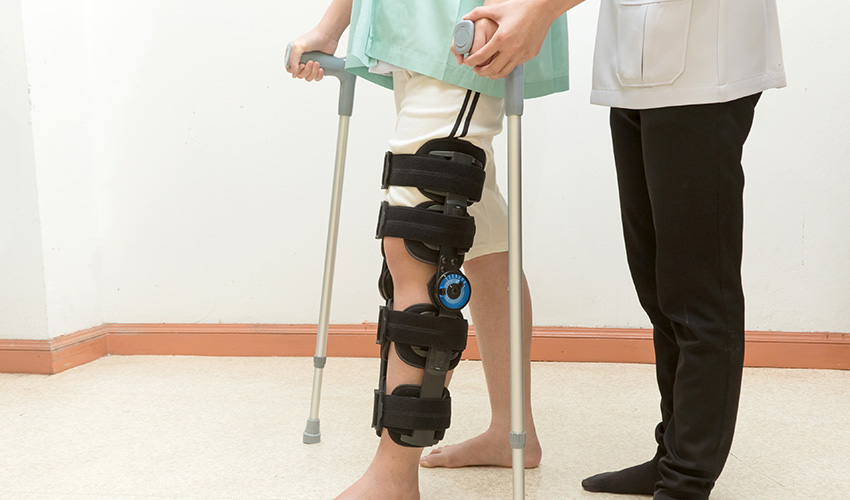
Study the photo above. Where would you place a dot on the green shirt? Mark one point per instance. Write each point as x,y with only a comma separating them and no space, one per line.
416,35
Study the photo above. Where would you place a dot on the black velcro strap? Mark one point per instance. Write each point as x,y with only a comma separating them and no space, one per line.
427,226
433,173
425,330
406,412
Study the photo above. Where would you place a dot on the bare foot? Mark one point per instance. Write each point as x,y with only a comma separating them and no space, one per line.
380,487
488,449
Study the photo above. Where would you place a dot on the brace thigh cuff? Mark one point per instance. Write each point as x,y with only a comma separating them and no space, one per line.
438,171
430,227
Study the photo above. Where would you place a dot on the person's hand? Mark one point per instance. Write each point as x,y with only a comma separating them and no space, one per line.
484,30
313,40
522,28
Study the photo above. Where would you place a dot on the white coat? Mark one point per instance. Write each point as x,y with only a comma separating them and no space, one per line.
659,53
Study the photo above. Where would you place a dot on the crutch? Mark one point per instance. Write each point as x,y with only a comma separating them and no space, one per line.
463,37
333,66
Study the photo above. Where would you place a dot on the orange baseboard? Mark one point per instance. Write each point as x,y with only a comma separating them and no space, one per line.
54,355
764,349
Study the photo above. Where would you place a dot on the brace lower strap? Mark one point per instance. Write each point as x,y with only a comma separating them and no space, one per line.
406,412
410,420
422,330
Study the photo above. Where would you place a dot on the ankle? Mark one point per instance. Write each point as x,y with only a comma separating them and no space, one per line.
395,458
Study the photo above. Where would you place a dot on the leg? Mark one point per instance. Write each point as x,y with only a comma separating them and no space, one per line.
433,118
682,217
393,472
639,237
489,309
696,182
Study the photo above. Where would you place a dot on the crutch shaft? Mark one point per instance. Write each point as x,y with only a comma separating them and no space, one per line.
514,104
330,261
515,284
333,233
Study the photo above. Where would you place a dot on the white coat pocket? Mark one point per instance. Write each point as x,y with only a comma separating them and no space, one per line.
652,41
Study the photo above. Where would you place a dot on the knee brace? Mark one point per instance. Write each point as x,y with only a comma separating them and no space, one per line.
450,173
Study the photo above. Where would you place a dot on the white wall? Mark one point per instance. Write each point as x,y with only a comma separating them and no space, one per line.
57,65
205,182
797,233
23,306
213,169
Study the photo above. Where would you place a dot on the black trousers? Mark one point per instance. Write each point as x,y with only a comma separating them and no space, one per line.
681,186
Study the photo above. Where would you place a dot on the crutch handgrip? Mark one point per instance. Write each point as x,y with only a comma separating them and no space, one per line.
333,66
464,35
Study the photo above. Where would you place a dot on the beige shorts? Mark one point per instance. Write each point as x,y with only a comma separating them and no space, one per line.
431,109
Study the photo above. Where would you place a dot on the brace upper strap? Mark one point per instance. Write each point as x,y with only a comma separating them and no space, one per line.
405,412
433,173
422,330
431,227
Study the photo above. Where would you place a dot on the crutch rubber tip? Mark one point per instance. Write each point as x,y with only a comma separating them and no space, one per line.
312,434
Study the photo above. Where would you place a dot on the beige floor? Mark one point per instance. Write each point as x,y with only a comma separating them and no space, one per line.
230,428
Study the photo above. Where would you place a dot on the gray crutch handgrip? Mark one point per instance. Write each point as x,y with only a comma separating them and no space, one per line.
333,66
464,35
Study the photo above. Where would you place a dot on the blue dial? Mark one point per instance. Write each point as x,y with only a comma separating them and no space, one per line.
454,291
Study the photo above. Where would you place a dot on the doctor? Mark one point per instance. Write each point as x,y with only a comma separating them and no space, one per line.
682,78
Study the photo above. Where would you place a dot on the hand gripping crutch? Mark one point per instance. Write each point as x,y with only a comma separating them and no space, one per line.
333,66
463,37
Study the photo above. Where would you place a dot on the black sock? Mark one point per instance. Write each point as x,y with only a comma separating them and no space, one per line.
637,480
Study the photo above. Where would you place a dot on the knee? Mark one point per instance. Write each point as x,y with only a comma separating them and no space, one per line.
402,265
